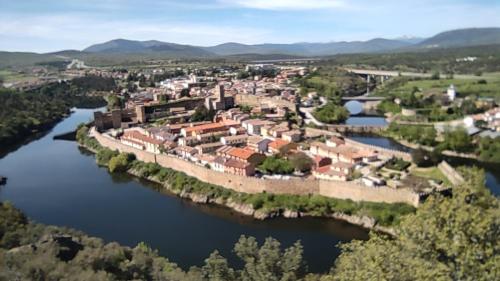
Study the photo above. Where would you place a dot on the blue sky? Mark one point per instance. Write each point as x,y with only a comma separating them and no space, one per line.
46,25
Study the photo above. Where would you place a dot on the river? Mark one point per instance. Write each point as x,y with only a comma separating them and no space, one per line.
54,182
359,117
492,171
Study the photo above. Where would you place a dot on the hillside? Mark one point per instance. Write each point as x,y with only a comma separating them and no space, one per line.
463,38
20,59
308,49
152,46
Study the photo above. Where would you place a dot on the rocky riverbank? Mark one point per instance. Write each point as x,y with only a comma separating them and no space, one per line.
249,210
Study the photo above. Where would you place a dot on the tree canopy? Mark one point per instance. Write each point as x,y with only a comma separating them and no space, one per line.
448,238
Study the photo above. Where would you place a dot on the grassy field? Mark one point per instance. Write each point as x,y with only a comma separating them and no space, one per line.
431,173
487,85
11,76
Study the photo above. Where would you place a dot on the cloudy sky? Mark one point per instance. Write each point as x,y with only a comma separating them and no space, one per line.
50,25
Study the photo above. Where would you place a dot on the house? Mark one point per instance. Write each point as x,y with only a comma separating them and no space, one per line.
218,164
208,128
186,152
208,147
277,131
234,140
245,155
136,139
258,144
321,161
161,133
232,166
211,137
205,159
342,167
240,168
253,126
279,145
372,181
327,173
237,131
187,141
292,136
343,153
335,142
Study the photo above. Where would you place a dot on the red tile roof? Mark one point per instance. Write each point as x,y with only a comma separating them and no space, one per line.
241,153
138,136
278,143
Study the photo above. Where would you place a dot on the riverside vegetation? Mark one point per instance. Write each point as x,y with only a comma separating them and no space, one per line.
447,238
262,205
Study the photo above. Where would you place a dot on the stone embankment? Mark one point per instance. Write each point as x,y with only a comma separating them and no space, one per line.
249,210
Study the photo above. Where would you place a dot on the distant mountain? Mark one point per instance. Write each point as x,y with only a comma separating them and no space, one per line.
309,49
449,39
116,51
463,38
123,46
410,39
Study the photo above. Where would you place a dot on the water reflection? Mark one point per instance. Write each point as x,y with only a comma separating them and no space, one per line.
55,182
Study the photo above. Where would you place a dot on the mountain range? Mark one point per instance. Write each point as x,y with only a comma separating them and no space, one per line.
122,50
448,39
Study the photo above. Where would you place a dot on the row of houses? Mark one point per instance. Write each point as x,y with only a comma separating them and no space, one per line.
334,160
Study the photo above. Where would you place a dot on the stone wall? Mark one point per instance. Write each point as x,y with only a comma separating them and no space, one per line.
297,186
256,101
449,172
357,192
364,129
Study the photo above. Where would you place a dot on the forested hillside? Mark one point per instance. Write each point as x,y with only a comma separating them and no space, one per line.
22,113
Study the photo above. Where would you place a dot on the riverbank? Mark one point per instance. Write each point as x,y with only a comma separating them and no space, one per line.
412,145
377,216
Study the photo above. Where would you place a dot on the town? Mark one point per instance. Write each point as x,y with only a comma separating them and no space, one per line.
248,122
218,140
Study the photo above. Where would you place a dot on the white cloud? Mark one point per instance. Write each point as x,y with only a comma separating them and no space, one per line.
77,31
286,4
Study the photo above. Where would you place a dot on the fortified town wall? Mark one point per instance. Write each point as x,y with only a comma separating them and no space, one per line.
453,176
333,189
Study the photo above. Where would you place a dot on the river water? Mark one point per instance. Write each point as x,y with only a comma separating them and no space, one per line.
54,182
492,171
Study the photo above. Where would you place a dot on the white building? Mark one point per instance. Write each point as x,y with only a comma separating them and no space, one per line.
451,93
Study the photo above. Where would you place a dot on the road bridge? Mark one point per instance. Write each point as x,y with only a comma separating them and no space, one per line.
362,98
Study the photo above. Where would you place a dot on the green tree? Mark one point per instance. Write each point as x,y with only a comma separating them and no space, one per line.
120,163
276,165
331,113
216,268
269,263
201,113
301,162
113,102
424,158
457,140
448,238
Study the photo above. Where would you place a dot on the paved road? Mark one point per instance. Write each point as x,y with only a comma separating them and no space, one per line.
397,73
308,113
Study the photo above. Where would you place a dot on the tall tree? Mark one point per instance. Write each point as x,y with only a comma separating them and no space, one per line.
448,238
